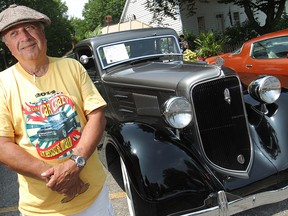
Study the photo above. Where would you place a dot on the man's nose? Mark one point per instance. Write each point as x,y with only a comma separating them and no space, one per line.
24,34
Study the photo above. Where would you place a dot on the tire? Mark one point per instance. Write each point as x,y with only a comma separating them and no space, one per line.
62,133
127,187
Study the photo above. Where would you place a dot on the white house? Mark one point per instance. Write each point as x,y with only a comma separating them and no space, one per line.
135,9
208,17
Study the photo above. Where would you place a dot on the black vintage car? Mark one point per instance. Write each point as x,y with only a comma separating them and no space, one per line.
188,138
57,127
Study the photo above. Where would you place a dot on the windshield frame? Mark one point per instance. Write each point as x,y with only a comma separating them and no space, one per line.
124,56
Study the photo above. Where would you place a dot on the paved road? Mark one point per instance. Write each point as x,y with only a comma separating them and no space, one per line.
9,197
9,194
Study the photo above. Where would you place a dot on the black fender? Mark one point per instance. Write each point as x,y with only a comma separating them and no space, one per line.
268,131
158,166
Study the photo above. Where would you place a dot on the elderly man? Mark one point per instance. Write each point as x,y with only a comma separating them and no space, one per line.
51,122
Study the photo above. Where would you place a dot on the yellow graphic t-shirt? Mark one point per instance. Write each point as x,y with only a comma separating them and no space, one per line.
46,116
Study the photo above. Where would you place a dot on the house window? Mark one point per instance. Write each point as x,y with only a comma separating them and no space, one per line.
236,18
220,22
201,24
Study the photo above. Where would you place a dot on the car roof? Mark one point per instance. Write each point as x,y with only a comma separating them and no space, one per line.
127,35
269,35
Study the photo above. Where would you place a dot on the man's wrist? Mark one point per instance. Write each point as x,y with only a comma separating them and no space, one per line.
79,160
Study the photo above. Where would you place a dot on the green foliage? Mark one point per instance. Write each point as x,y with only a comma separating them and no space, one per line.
190,38
80,28
282,23
273,9
240,33
97,31
209,44
237,35
95,12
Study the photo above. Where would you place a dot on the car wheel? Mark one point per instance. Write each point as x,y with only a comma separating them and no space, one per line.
127,187
64,133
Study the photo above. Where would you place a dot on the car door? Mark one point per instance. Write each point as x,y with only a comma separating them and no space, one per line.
269,56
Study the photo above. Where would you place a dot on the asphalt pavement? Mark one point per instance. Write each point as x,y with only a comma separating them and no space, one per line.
9,198
9,194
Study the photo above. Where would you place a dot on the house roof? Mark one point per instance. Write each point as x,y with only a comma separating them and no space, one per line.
132,24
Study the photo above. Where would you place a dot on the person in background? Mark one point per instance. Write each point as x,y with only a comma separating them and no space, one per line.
183,43
52,119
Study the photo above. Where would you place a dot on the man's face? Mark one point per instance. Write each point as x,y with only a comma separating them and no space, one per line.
26,41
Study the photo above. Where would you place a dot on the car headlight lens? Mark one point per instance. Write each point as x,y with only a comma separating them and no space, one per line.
177,112
266,89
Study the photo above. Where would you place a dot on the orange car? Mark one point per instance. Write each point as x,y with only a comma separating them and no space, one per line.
266,54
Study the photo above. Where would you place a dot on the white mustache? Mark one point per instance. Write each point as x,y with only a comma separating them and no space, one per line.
27,44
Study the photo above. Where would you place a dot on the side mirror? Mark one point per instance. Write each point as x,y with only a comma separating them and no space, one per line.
85,59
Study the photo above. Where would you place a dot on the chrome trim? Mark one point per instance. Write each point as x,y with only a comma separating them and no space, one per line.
140,57
227,96
230,208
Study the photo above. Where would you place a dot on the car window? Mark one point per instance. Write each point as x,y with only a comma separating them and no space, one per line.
138,48
271,48
237,51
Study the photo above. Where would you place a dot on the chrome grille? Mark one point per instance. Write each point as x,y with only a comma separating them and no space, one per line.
222,124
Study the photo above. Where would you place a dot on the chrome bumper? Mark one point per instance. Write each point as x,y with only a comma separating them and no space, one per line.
225,208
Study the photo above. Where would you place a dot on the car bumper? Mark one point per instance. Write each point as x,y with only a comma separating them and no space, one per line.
229,208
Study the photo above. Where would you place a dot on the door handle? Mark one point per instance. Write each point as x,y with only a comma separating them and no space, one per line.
249,66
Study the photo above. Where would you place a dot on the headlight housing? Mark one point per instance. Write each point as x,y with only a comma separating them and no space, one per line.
266,89
177,112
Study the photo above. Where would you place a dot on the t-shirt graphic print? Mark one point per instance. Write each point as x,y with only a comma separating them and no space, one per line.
52,125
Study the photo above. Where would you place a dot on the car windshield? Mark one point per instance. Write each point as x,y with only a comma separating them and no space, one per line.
128,50
56,117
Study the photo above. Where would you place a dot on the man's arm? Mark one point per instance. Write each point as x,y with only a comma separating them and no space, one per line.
18,160
65,176
92,133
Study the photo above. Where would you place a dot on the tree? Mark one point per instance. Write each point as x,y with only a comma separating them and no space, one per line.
58,34
95,12
273,9
80,28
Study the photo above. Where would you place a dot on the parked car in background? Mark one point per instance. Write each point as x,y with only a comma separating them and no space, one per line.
188,138
266,54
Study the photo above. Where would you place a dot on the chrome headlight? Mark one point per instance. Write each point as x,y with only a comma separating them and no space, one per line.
266,89
177,112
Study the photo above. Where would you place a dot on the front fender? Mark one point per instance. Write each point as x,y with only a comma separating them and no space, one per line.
270,132
157,164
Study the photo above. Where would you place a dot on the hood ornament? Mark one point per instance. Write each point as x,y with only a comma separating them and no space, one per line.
227,96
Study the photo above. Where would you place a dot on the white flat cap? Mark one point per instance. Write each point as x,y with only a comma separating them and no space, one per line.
16,14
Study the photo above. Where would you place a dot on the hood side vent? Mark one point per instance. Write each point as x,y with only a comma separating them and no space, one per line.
124,102
146,104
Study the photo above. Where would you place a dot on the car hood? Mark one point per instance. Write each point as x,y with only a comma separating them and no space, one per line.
162,75
212,59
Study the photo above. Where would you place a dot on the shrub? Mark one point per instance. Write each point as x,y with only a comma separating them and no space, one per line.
209,44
